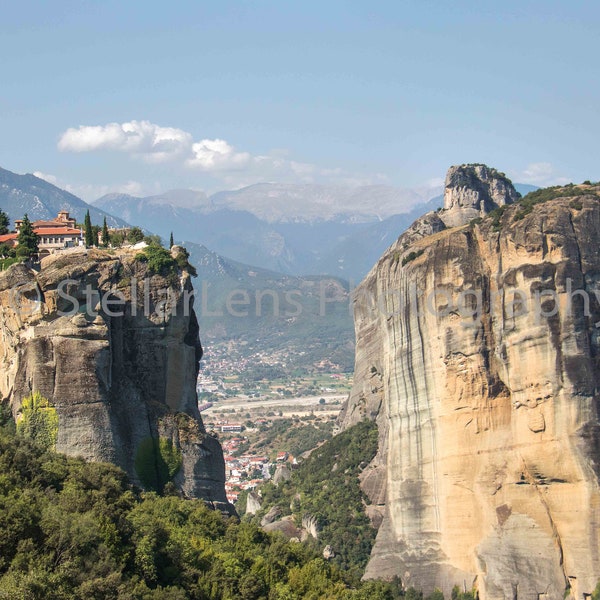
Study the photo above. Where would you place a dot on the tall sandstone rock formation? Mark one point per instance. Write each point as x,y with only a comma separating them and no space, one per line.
473,191
477,354
124,387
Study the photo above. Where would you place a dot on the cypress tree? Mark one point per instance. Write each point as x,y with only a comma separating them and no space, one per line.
4,222
105,234
88,231
27,238
171,242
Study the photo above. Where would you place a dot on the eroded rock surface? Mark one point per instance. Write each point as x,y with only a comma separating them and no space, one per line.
117,382
473,191
486,397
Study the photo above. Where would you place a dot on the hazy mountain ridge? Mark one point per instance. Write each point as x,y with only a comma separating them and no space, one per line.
239,235
305,317
310,203
309,336
246,253
295,229
20,194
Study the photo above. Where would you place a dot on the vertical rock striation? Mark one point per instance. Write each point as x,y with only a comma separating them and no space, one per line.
121,374
477,354
472,191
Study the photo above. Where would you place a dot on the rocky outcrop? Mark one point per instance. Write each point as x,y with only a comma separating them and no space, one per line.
286,527
115,350
310,524
253,503
282,473
473,191
477,355
272,515
425,226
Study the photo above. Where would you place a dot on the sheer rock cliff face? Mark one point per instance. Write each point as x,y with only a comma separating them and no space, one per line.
486,398
117,382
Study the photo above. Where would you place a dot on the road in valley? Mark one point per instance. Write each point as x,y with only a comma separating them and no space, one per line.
301,404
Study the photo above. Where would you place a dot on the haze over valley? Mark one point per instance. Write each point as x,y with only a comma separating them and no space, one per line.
299,301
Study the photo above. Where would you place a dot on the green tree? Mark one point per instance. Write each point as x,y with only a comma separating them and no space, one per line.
171,242
159,260
116,239
4,223
153,240
72,529
326,486
88,230
105,234
157,461
27,238
135,235
458,595
39,420
6,251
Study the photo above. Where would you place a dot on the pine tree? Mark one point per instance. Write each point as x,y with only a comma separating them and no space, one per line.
4,222
27,238
88,231
171,242
105,234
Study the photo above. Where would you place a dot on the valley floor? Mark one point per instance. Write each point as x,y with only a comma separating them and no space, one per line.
262,429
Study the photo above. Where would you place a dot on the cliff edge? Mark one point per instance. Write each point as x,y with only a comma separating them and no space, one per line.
110,340
477,355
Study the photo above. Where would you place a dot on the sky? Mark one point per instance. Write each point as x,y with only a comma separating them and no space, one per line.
143,97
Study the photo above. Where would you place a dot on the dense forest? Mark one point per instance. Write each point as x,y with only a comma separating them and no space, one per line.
77,530
326,487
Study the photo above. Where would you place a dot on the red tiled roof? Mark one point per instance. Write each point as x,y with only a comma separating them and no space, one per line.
52,222
7,237
48,224
57,230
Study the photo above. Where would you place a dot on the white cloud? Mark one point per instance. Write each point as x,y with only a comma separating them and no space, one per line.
49,178
218,158
154,143
143,139
157,144
217,155
541,174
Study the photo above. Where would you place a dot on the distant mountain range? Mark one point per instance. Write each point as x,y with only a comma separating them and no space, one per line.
20,194
307,319
294,229
297,270
313,203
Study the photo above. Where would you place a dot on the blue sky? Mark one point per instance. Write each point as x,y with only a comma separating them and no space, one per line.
145,96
